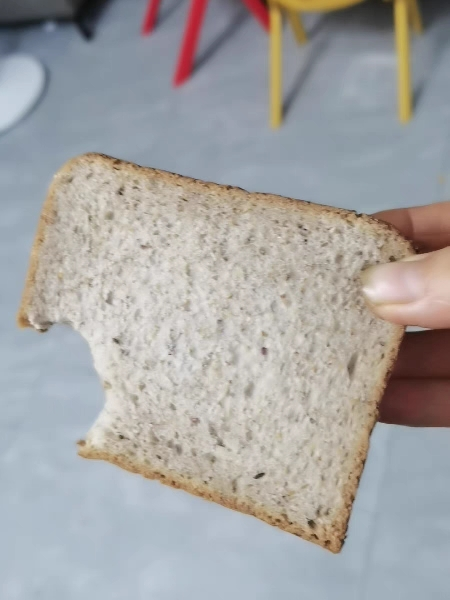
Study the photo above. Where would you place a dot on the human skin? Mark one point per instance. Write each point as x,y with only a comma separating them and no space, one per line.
416,292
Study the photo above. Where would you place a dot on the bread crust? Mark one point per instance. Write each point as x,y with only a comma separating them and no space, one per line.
331,538
351,487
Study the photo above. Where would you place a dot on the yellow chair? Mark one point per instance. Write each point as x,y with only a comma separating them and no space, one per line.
406,12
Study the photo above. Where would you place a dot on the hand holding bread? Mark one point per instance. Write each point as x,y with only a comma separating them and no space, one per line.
417,292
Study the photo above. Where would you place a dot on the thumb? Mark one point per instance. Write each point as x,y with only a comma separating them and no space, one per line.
414,291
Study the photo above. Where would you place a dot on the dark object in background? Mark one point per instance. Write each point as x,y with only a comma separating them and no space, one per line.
81,12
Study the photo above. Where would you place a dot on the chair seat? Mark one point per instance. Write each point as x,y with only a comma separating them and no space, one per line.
317,5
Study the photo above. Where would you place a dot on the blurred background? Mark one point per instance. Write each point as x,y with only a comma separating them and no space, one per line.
184,86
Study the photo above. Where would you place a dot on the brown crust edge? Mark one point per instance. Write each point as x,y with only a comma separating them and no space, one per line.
351,488
46,218
331,540
326,538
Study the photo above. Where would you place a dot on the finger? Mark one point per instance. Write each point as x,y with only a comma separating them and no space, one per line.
428,226
424,354
415,291
417,403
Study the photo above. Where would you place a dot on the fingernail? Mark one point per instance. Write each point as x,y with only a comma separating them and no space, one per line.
394,283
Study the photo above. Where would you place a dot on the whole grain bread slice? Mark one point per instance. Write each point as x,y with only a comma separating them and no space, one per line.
239,360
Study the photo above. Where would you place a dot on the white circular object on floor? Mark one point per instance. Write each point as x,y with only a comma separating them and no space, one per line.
22,82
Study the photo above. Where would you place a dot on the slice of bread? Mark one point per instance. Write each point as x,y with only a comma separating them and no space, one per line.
238,358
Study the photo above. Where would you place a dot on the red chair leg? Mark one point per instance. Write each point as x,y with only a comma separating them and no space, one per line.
186,57
259,11
150,16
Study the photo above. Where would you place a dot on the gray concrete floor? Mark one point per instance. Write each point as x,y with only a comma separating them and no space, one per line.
71,529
